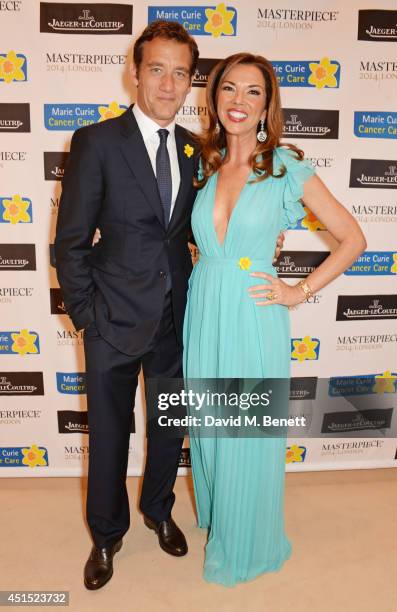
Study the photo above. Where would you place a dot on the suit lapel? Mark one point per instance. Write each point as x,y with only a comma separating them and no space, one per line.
186,165
134,151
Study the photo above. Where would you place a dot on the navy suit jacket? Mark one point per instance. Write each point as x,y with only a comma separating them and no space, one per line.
120,283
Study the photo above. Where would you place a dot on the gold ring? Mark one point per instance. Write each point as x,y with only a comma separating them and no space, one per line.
270,295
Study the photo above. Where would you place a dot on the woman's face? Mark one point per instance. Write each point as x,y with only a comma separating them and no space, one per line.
242,100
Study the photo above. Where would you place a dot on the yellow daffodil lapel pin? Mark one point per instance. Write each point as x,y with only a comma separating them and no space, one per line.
188,150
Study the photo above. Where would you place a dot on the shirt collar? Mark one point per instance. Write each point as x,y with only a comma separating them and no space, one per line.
147,126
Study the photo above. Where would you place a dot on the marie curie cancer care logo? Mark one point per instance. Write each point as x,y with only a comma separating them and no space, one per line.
219,20
295,454
305,349
70,117
365,384
23,456
309,222
321,74
71,382
15,209
375,124
13,67
23,342
374,263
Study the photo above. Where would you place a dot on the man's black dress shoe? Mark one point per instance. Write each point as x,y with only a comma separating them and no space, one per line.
171,538
99,567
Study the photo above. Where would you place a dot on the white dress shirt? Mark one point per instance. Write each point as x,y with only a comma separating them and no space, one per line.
148,129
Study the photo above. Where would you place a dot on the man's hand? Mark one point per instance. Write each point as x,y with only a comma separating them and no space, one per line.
279,246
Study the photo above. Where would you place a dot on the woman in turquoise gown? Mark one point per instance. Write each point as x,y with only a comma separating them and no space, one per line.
239,482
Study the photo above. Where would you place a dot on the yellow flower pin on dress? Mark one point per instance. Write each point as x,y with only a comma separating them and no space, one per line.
245,263
188,150
323,74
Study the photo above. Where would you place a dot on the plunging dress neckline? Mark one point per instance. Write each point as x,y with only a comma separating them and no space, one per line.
221,245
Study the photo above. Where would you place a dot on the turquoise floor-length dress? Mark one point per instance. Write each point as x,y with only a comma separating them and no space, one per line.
239,483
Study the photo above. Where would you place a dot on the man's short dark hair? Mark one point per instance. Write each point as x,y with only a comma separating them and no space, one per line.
170,30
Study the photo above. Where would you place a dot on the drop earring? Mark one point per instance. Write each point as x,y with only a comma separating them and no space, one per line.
262,134
217,128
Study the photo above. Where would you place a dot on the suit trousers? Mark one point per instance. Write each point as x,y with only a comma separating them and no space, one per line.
112,379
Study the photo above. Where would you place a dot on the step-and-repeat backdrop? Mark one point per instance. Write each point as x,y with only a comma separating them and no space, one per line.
64,65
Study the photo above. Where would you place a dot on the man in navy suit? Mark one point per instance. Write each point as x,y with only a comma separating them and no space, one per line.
131,177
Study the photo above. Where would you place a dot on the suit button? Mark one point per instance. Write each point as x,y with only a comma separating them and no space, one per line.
167,242
162,274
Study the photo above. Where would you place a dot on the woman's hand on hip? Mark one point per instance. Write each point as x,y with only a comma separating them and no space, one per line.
275,291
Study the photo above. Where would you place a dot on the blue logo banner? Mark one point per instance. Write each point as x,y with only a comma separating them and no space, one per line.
324,73
367,384
70,117
374,263
22,342
374,124
219,20
71,382
23,456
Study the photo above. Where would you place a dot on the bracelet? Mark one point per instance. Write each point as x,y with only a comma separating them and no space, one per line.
305,288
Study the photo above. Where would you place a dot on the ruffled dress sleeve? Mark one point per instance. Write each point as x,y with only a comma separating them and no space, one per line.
298,172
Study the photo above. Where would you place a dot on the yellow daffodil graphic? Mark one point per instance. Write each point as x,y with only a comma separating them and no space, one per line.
311,221
245,263
109,112
294,453
304,348
24,342
188,150
33,456
323,74
393,269
16,210
11,67
219,21
385,383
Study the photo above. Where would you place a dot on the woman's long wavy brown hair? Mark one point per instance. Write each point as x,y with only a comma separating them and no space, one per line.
213,141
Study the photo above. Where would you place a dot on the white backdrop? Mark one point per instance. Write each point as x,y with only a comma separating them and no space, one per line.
63,64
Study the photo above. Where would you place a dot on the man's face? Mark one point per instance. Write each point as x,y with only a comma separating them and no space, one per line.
163,80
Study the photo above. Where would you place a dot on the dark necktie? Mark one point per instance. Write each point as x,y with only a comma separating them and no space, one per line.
163,174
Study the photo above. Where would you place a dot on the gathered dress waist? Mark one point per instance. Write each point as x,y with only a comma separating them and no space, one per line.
242,263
